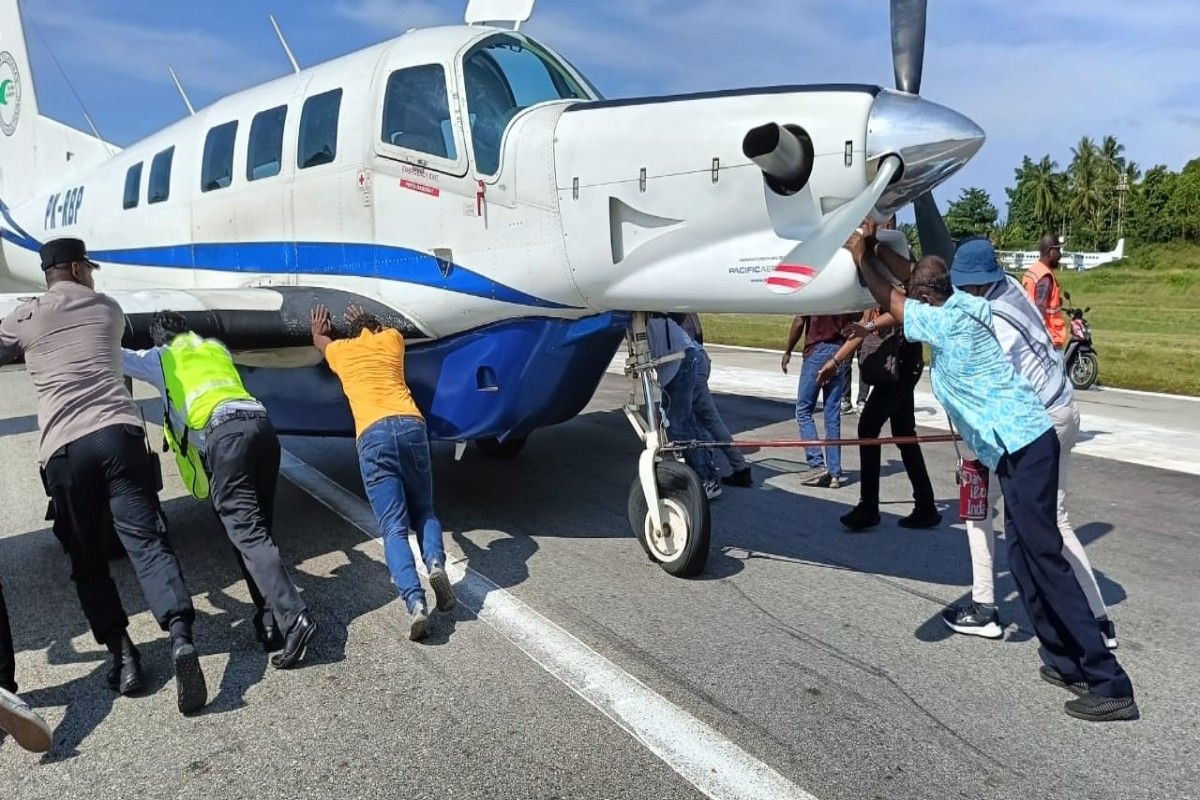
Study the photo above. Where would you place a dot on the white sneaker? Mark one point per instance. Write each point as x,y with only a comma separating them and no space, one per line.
712,489
443,592
27,728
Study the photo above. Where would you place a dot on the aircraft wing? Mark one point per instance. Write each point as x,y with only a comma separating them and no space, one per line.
263,318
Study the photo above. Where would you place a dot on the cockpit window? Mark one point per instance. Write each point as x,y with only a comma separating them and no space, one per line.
416,112
504,75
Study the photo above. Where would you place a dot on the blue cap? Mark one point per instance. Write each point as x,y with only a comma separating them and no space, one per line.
975,264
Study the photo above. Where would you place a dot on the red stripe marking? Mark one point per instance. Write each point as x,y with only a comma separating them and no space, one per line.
788,283
799,269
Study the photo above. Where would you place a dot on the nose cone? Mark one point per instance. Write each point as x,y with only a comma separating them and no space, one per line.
933,141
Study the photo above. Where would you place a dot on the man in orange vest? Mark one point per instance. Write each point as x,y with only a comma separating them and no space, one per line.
1041,285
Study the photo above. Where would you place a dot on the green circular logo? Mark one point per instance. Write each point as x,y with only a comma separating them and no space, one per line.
10,93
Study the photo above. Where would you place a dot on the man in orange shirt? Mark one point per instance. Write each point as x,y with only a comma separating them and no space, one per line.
393,453
1041,284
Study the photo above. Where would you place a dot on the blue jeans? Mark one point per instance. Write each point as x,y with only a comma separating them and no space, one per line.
806,401
679,396
709,418
393,455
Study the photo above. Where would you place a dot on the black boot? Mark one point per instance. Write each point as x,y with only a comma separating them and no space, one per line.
190,690
125,669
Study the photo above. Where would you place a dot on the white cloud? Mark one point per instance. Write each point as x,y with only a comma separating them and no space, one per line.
205,61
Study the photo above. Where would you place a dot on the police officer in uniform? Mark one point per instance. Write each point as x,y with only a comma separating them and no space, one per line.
94,455
210,412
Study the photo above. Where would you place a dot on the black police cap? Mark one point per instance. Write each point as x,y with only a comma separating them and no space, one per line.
58,252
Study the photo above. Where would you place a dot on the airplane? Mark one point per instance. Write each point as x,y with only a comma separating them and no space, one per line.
1021,260
472,188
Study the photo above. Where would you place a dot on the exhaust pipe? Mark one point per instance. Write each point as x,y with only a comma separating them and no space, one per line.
784,153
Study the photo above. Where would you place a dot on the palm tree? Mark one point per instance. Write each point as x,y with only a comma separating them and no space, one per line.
1046,185
1085,192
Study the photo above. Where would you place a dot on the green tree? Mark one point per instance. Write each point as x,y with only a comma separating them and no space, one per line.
1047,186
1085,196
1146,218
1182,209
914,240
972,214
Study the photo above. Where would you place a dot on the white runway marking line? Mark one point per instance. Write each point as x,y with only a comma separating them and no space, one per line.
699,754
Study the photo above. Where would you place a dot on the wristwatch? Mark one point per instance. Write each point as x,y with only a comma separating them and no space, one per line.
871,326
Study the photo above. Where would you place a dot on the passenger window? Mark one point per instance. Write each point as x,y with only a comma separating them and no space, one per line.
266,144
133,185
216,168
416,112
160,176
319,129
504,75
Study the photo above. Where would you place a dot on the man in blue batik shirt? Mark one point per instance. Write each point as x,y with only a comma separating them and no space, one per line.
1002,419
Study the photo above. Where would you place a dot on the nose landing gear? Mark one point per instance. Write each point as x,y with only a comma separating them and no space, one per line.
667,507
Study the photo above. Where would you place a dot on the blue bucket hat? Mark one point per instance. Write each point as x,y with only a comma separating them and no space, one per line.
975,264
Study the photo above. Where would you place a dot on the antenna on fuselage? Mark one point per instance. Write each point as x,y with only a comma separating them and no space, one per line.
191,109
71,86
286,50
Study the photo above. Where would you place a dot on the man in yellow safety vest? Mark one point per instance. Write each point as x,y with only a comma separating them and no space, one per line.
212,422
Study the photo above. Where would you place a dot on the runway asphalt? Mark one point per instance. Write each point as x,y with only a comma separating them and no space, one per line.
804,652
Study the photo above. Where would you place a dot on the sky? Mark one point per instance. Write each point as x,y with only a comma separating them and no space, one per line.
1036,76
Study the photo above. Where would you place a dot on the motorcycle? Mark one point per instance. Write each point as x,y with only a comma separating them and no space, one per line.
1080,359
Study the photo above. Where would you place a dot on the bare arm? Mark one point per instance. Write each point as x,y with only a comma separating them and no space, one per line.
322,329
797,330
897,264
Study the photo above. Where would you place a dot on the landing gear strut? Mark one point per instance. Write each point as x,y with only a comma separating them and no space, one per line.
668,509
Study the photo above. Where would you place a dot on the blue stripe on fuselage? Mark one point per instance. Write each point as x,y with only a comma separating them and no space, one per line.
348,259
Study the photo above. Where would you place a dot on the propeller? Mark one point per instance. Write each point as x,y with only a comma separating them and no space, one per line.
908,58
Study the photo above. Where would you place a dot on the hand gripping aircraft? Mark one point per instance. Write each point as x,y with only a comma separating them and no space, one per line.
472,188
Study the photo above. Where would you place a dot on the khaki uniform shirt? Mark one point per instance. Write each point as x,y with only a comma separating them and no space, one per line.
71,339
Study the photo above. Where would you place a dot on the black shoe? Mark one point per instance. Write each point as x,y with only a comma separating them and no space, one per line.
190,690
927,518
974,619
266,631
740,478
860,518
1096,708
1108,631
125,669
296,642
1076,686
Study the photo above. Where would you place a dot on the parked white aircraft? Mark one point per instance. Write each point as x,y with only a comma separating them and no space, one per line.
470,186
1021,260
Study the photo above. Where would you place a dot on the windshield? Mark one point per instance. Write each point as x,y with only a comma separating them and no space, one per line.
505,74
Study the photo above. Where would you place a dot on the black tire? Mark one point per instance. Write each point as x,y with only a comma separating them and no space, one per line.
1084,371
681,490
494,448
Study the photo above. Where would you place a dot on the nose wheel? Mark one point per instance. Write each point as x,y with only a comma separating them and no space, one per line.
667,506
680,546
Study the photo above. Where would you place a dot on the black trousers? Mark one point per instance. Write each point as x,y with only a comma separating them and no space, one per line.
1069,636
8,659
892,402
111,468
243,459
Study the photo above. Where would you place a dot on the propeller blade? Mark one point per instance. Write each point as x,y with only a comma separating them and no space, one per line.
908,43
832,234
931,229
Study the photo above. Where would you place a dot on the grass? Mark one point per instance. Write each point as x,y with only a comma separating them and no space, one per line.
1143,316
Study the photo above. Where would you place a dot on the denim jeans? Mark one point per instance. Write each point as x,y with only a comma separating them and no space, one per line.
393,455
806,400
709,418
680,398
